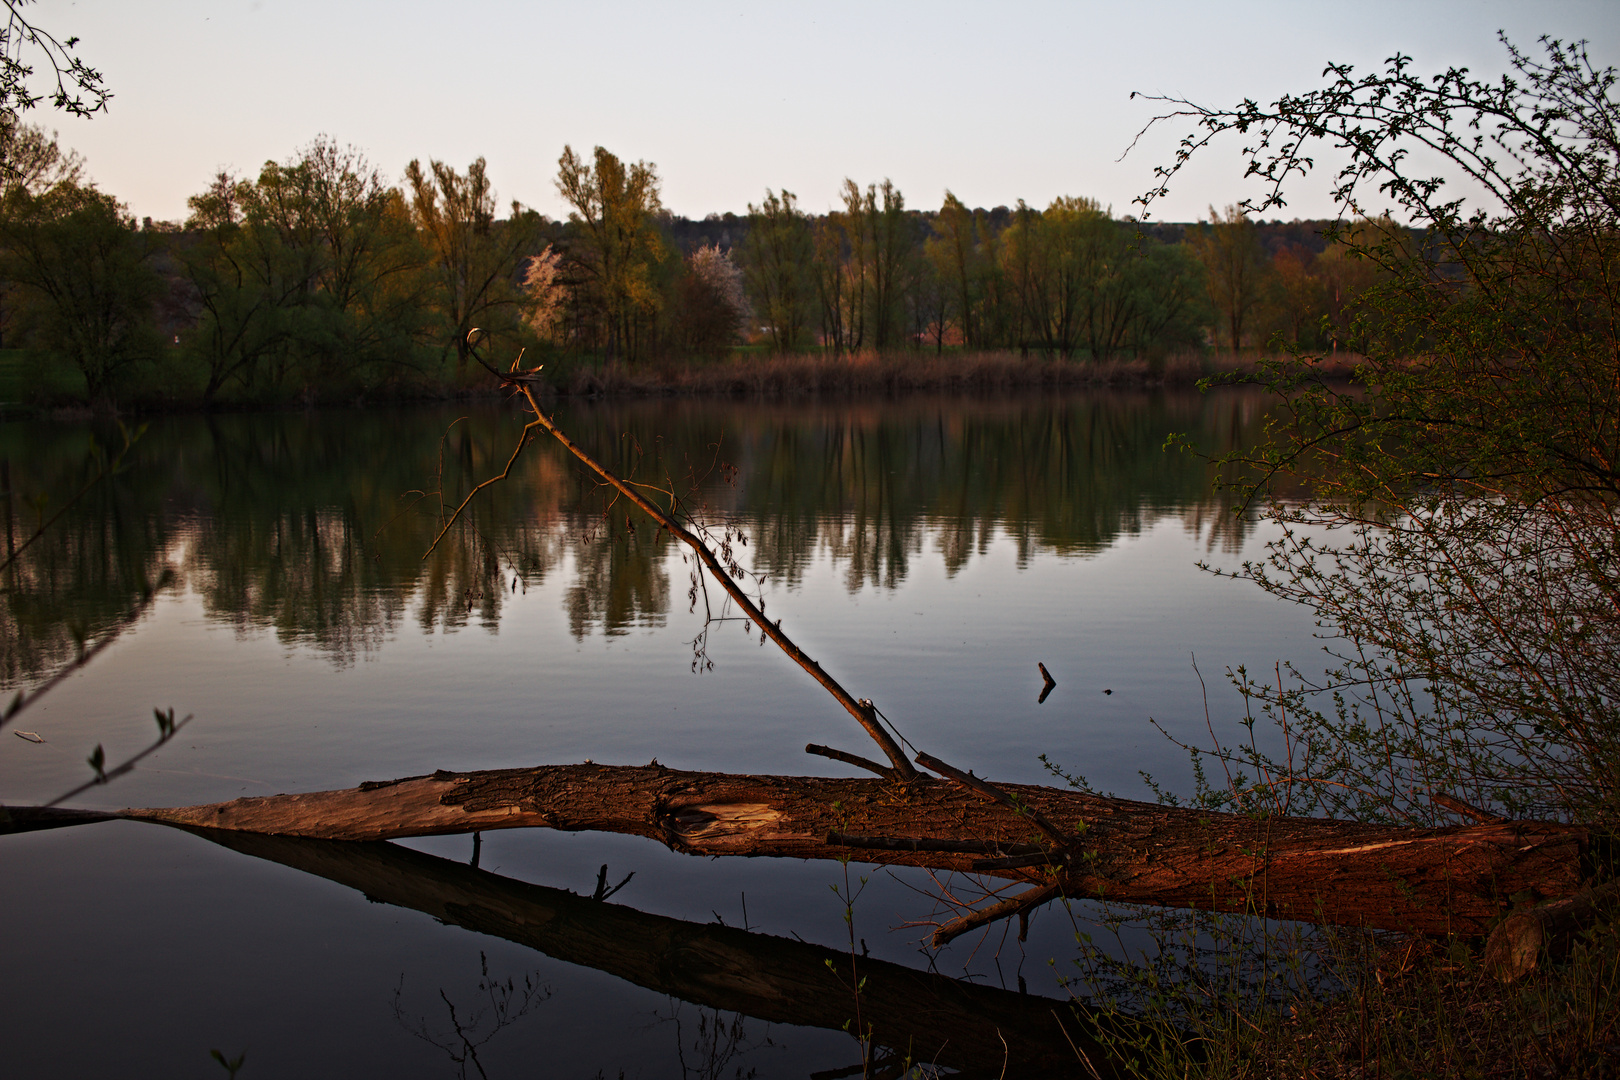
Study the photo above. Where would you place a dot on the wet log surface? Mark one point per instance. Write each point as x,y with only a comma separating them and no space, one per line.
978,1030
1446,880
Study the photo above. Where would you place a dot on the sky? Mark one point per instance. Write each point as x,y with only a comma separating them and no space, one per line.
995,102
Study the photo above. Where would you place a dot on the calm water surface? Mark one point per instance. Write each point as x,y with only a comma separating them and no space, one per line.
928,552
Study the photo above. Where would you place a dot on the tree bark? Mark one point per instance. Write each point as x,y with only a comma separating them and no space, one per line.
1445,880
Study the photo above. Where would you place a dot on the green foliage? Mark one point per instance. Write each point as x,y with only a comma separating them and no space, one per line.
960,264
777,265
82,278
1452,523
1461,521
78,89
613,251
1235,268
474,272
308,279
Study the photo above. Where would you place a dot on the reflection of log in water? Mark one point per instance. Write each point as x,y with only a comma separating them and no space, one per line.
1450,880
931,1017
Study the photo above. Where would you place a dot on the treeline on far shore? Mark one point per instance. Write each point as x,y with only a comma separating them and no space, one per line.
320,280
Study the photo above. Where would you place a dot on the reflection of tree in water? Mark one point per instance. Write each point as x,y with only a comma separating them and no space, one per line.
317,529
313,525
717,1042
873,485
620,579
496,1006
85,575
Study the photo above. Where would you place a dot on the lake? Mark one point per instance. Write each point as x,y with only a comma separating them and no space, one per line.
927,551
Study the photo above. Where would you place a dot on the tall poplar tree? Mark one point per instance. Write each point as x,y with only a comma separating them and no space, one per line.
615,244
476,260
777,256
1234,267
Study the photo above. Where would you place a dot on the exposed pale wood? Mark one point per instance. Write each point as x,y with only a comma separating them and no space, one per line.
1454,879
1519,941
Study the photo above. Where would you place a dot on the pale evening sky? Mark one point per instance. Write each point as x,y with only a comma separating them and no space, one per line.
994,101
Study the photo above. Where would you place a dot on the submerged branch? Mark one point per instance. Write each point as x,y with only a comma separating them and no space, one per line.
863,712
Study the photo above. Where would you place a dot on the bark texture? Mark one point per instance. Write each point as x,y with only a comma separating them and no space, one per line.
1450,880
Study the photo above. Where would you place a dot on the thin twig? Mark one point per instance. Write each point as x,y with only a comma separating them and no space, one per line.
523,381
24,701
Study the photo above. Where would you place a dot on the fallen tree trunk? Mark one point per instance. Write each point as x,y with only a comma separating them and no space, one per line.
1445,880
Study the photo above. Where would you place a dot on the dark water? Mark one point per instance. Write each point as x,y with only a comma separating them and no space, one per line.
928,552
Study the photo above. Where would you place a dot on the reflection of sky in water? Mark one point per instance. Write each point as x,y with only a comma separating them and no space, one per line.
191,947
950,657
288,967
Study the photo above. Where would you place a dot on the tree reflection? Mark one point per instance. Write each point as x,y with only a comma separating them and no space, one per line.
496,1006
313,525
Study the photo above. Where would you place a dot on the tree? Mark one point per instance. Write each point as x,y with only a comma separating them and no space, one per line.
615,244
309,274
1168,306
853,257
31,162
476,259
1297,294
1234,268
710,303
243,303
353,233
1023,272
959,263
889,231
544,292
777,257
836,295
78,89
83,273
1463,500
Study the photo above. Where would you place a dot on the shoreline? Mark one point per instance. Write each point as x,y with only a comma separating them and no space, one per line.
768,377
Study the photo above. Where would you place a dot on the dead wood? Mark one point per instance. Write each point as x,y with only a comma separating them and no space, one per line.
1518,943
980,1030
1445,880
726,576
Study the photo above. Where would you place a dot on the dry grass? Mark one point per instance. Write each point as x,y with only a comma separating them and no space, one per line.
1421,1013
1414,1010
869,373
